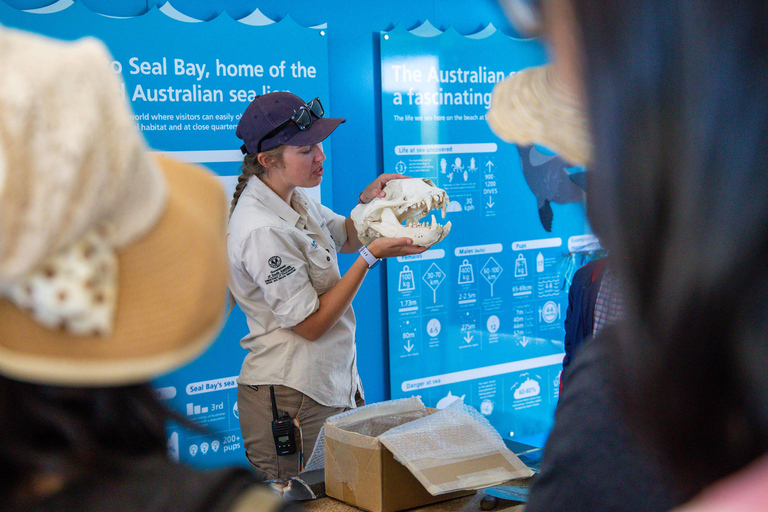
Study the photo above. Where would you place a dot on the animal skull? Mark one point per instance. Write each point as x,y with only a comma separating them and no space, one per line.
409,201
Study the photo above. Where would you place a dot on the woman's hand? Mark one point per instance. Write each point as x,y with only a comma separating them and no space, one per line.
376,188
389,247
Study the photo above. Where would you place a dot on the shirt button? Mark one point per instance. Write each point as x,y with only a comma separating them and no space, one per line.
327,258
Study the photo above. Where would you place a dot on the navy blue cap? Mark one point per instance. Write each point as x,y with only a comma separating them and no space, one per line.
267,112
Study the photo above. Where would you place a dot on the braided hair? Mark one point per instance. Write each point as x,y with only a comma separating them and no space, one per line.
252,167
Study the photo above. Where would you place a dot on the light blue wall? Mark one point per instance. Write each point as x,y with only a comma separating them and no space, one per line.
353,45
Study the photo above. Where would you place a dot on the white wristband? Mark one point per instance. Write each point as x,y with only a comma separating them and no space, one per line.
369,258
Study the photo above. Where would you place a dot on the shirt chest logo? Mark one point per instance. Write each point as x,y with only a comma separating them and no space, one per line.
275,261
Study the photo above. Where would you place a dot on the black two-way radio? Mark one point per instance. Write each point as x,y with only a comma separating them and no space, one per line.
282,429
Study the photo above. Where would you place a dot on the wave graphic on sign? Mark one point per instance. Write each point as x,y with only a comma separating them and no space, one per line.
54,7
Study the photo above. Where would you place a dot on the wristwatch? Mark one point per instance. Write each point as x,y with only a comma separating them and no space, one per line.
369,258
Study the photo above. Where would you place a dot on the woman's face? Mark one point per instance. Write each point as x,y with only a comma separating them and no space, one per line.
302,166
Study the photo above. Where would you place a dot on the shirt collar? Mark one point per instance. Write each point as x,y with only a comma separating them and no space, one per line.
268,198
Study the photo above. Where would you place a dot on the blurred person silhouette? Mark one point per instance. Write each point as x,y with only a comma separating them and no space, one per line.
112,271
594,301
676,99
592,460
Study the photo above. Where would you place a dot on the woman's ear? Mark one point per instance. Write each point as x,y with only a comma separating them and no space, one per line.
265,160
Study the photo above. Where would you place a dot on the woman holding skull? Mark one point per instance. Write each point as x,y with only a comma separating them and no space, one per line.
282,247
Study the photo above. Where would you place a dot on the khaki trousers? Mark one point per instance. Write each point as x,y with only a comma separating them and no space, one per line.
255,408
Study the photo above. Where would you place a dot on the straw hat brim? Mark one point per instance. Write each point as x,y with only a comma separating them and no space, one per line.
171,298
531,107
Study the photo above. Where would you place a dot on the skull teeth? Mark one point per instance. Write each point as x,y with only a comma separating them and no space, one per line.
423,207
424,225
407,206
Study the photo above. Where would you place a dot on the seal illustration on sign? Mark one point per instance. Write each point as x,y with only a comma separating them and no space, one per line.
448,400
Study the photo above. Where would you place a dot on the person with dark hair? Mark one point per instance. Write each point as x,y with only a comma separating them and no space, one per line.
105,255
285,277
592,459
676,100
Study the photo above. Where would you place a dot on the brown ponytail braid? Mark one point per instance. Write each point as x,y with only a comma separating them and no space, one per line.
252,167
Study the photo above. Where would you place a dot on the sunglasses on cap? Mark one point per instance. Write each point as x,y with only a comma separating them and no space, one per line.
302,118
525,16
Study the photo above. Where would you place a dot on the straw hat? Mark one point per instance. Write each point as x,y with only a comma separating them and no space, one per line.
533,107
112,262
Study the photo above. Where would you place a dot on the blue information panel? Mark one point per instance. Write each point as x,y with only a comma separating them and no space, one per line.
188,83
480,315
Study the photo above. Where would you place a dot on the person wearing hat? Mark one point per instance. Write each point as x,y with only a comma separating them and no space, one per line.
675,102
285,277
112,272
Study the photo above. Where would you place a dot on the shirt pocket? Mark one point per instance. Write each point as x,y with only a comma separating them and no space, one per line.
322,269
327,232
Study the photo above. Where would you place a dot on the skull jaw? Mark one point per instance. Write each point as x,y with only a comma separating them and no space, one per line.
406,201
422,236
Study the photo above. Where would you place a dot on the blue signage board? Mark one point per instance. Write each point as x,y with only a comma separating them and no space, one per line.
478,316
188,83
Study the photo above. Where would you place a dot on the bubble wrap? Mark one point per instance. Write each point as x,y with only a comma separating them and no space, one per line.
454,448
371,420
450,433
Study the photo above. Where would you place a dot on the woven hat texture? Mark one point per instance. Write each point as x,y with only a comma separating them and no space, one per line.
72,166
533,107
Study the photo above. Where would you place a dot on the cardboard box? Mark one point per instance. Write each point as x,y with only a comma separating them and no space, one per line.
361,470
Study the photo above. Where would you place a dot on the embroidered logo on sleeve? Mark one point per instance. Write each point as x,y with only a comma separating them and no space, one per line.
280,271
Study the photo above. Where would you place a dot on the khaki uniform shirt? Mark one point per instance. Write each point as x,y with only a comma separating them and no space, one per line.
281,260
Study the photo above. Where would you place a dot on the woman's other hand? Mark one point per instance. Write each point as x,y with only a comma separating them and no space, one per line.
376,188
389,247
